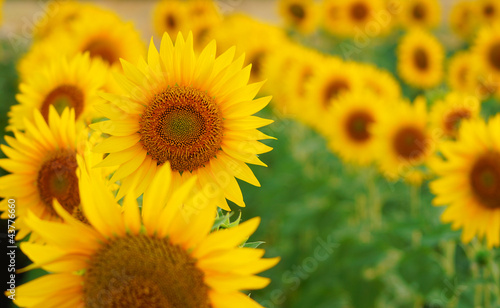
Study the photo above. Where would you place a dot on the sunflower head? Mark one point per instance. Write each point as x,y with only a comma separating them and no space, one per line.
487,49
301,15
420,13
464,18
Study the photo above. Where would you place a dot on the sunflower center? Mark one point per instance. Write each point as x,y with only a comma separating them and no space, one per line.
410,143
139,271
485,179
297,11
359,11
489,10
184,126
57,180
170,21
419,11
103,49
357,126
62,97
421,59
333,90
494,55
452,120
306,75
257,61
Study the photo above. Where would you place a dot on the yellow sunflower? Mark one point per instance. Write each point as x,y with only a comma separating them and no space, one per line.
42,163
62,83
446,115
420,59
329,82
160,256
403,139
469,181
194,112
301,15
487,49
381,82
461,68
361,15
489,10
420,13
333,17
464,18
170,16
349,123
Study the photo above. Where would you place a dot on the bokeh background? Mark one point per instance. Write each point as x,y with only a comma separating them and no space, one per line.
347,236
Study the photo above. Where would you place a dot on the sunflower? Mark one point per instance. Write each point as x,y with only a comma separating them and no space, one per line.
382,83
349,123
446,115
469,181
403,140
489,11
194,112
461,68
301,15
42,163
359,14
487,49
160,256
62,83
420,59
333,17
464,18
329,82
170,16
420,13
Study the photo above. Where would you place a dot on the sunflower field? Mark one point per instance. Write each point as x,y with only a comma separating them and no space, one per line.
250,153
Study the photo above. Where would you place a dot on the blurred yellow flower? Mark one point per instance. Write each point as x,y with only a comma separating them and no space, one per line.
420,59
381,82
160,256
489,11
420,13
301,15
487,49
461,68
469,181
464,19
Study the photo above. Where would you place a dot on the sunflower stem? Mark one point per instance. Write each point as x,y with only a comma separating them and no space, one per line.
415,200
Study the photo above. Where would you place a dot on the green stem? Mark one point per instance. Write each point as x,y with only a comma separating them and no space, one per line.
414,200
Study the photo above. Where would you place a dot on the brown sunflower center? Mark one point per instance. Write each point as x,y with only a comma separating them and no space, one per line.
452,120
305,76
359,11
170,21
297,11
357,125
333,89
257,60
139,271
57,180
419,11
61,97
183,126
494,55
421,59
485,179
489,10
103,49
410,143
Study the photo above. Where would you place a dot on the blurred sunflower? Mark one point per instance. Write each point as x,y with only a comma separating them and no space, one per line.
301,15
61,83
349,124
161,256
461,67
487,49
333,17
464,18
170,16
420,59
403,139
204,17
380,82
420,13
446,115
469,181
489,10
329,82
357,14
42,163
198,117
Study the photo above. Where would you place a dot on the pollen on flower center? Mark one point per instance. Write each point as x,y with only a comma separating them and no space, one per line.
184,126
103,49
410,143
139,271
357,126
61,97
485,179
421,59
494,56
57,180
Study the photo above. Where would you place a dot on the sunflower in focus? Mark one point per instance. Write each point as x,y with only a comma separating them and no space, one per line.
301,15
487,49
464,18
349,123
160,256
489,10
420,59
62,83
170,16
333,79
404,142
380,82
198,117
446,115
420,13
468,181
461,68
42,163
